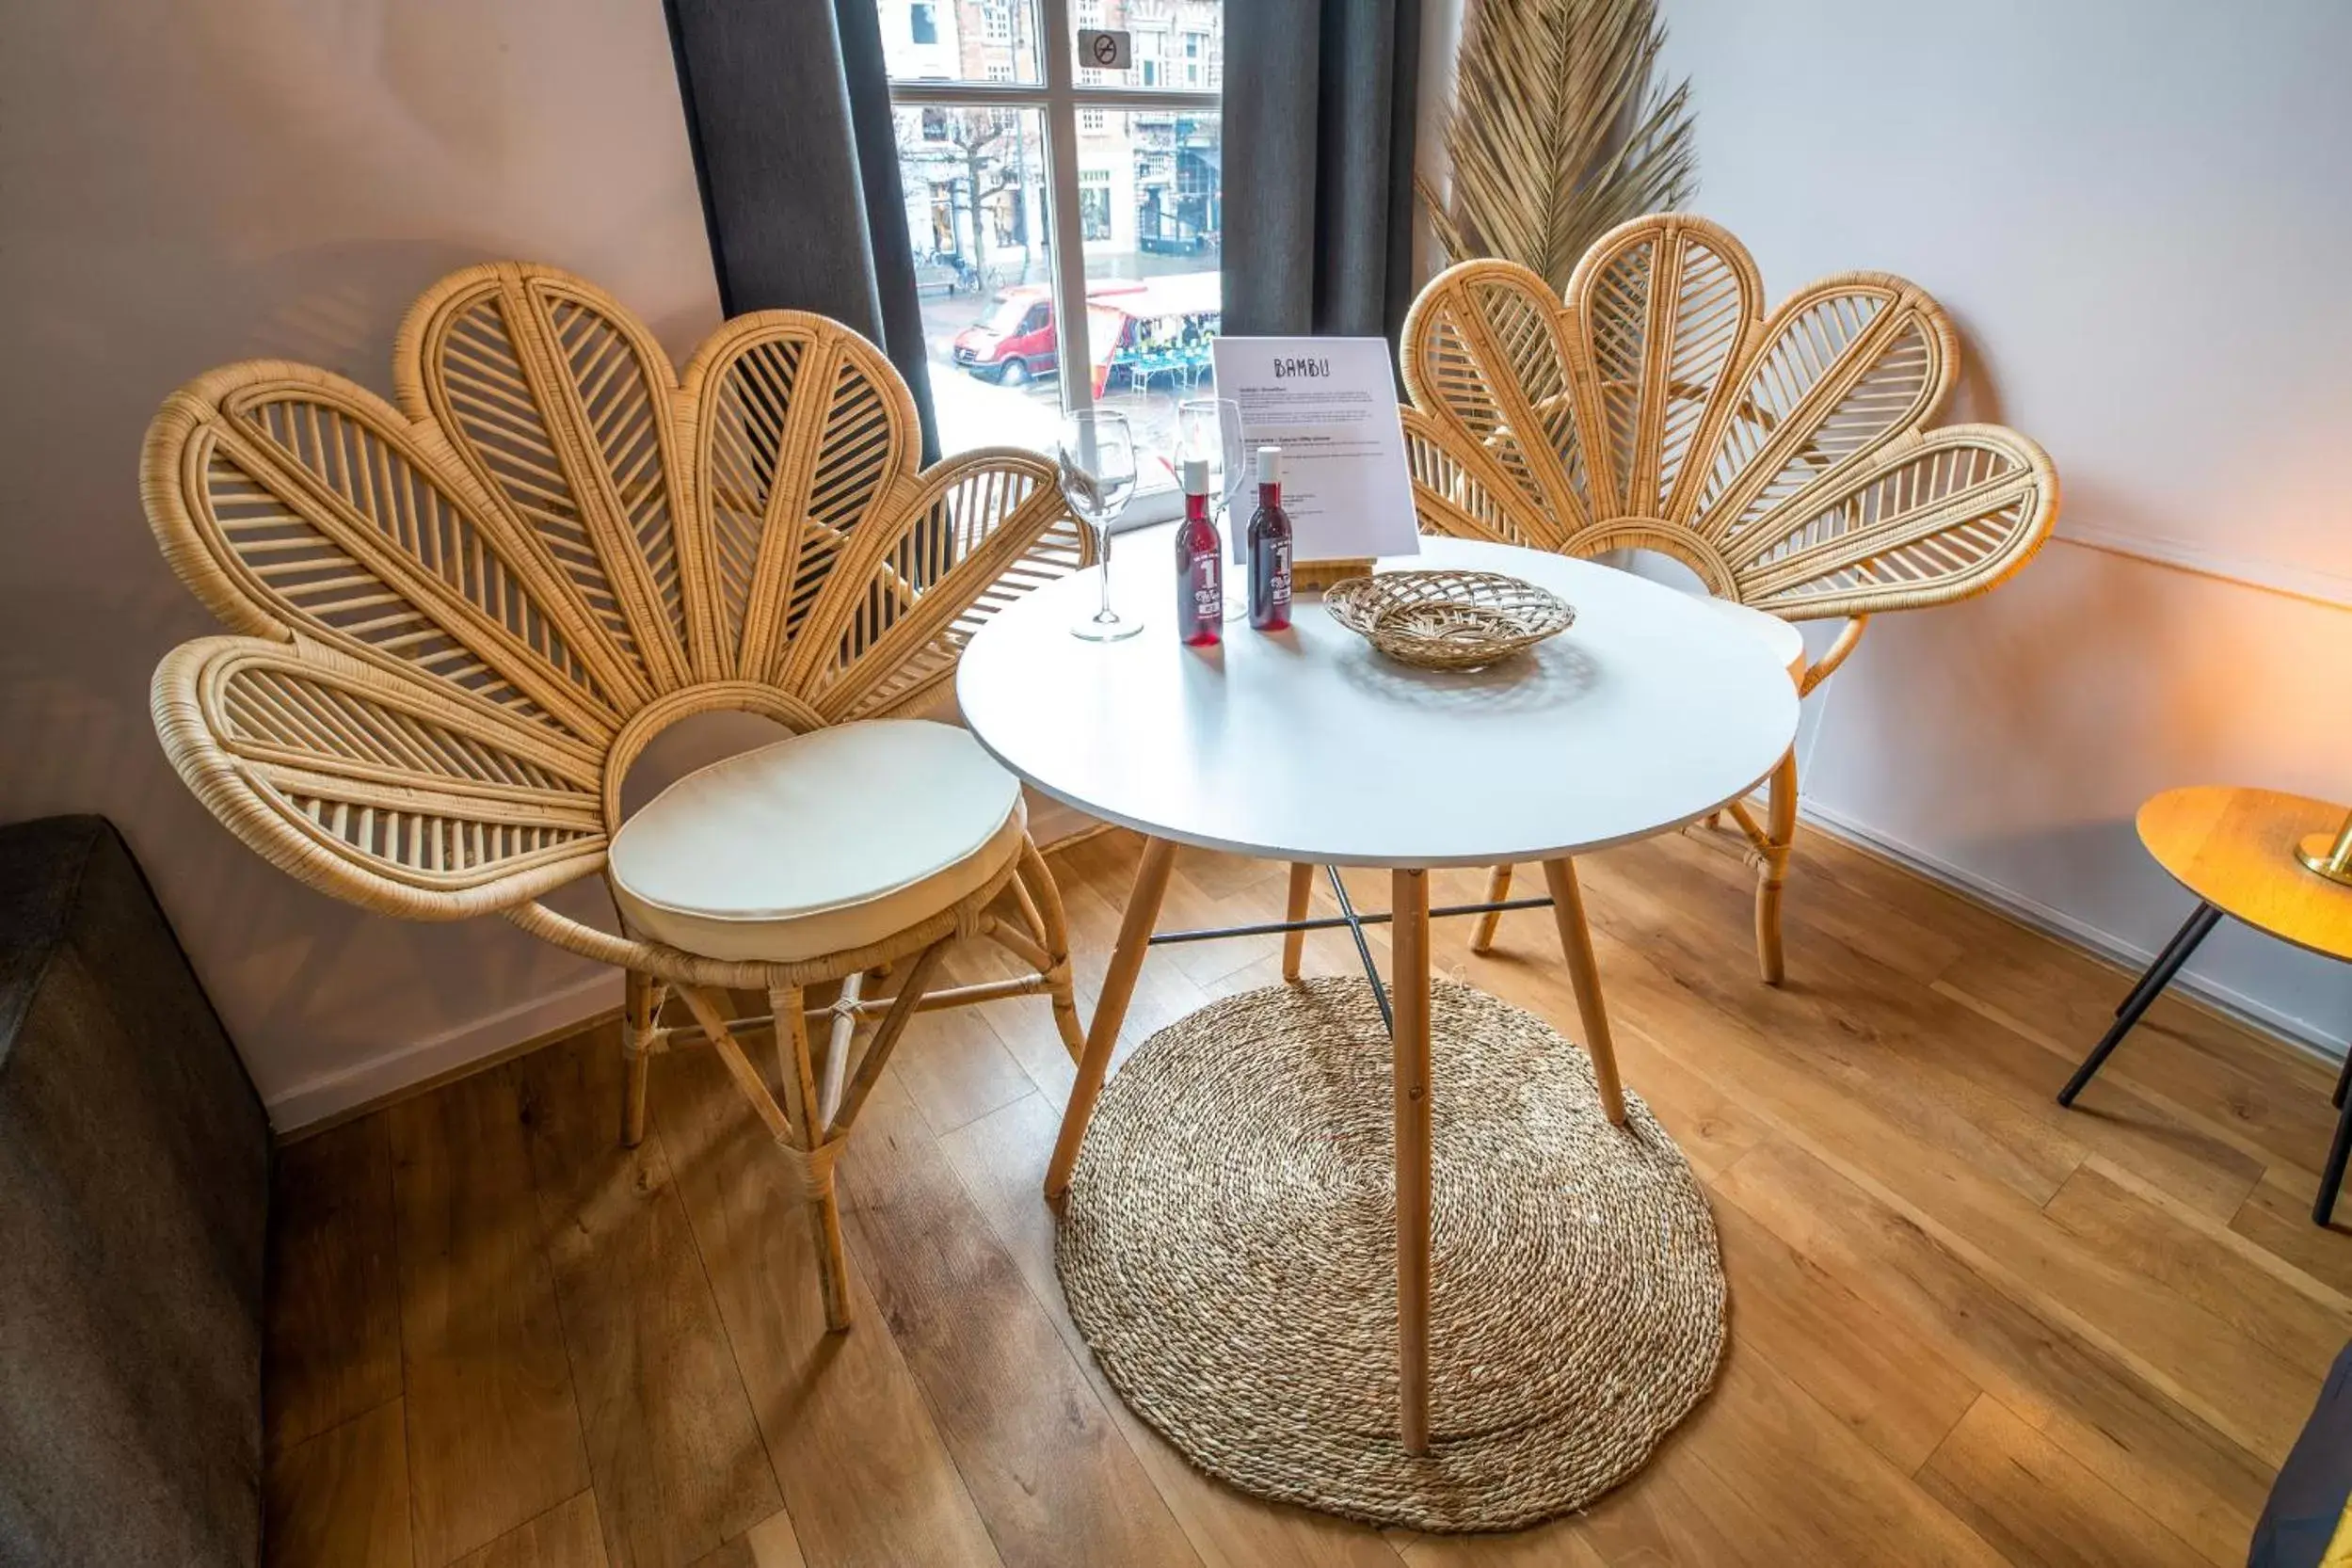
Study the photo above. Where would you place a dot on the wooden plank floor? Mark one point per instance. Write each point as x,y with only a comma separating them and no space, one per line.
1967,1327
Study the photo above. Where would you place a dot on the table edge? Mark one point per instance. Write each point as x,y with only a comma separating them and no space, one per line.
2197,893
1273,852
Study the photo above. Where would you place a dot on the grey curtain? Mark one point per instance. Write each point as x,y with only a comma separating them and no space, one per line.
788,110
1319,117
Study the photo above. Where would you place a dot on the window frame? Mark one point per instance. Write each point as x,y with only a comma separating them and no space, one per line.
1059,98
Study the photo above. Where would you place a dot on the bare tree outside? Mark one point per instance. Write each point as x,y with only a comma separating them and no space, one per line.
979,160
1147,206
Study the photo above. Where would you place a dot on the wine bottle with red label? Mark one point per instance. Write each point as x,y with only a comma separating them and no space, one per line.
1200,566
1269,548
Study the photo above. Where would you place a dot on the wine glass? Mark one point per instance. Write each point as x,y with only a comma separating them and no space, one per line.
1097,459
1210,428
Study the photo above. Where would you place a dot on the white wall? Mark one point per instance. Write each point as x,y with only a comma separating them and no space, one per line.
213,180
2134,210
2138,212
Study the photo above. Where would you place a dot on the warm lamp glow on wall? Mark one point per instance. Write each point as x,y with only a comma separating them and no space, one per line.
2280,863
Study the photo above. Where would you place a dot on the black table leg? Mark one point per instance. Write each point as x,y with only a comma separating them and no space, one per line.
2175,953
2331,1179
1362,949
2196,928
2344,1082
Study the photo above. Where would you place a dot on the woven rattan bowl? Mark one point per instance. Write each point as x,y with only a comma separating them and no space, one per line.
1448,620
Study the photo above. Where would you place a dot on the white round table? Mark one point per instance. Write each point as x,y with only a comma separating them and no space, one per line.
1653,710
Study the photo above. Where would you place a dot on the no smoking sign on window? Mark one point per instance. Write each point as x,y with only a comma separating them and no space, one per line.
1105,48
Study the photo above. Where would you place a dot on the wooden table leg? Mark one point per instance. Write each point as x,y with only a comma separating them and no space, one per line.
1118,988
1408,983
1294,908
1498,889
1576,941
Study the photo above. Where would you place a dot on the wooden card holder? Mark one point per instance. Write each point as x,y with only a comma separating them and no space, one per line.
1315,576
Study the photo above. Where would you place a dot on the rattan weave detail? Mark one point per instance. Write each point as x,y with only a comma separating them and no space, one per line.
1448,620
462,615
1787,459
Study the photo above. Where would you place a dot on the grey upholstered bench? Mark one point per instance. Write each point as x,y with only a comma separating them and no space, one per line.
133,1181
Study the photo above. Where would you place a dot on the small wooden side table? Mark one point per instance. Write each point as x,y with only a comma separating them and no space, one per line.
2234,849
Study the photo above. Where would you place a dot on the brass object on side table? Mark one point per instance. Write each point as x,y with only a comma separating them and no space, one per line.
2330,858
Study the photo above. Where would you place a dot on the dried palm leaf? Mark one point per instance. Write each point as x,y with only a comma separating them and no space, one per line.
1558,131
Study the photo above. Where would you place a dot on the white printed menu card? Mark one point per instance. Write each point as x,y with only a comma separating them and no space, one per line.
1331,405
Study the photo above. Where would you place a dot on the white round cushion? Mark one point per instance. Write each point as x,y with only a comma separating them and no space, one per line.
1782,636
818,844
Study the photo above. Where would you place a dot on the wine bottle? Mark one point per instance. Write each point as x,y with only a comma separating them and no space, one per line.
1200,566
1269,548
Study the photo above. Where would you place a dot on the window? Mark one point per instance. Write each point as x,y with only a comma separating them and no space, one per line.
1045,285
1094,203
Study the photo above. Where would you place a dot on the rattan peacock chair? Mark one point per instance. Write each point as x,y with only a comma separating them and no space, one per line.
1785,459
461,619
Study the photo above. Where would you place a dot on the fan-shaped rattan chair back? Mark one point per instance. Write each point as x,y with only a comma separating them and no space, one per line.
459,620
463,617
1785,458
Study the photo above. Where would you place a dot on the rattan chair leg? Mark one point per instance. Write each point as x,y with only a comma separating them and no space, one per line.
1576,941
710,1009
824,1219
1498,889
1043,898
1032,918
644,997
1780,833
839,1038
1021,945
802,1104
903,1006
1294,908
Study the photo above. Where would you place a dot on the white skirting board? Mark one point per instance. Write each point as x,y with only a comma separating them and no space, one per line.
325,1096
2041,916
328,1095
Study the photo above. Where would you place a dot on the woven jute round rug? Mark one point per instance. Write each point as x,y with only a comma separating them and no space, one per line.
1228,1250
